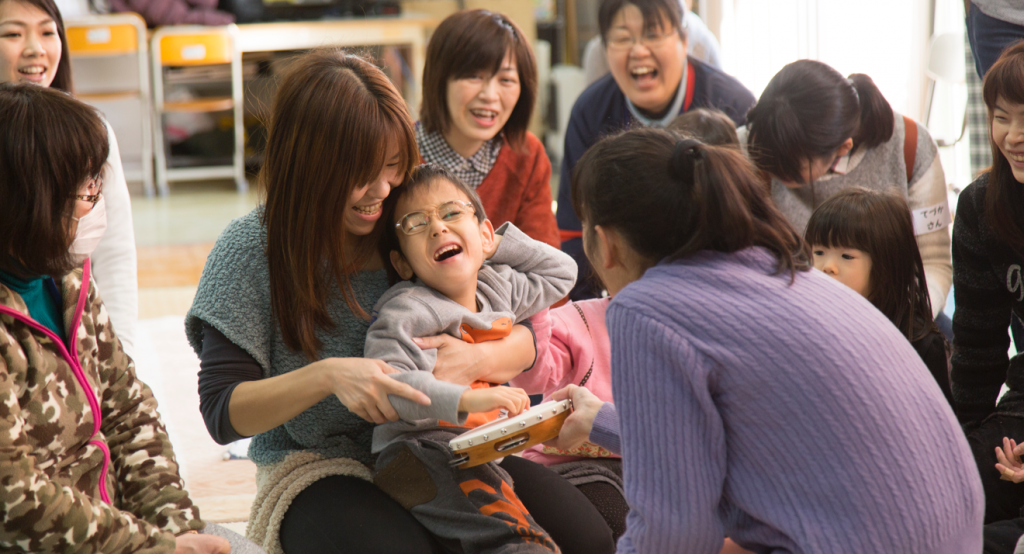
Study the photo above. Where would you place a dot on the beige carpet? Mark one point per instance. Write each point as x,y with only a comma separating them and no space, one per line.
223,490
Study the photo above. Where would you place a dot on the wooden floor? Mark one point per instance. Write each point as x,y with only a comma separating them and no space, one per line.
173,265
168,275
223,489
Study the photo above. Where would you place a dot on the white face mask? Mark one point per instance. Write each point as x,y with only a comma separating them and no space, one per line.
90,230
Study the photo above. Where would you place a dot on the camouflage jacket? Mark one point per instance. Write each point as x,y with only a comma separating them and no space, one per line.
85,462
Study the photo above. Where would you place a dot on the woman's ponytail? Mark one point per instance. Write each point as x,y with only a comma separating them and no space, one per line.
876,118
807,111
671,198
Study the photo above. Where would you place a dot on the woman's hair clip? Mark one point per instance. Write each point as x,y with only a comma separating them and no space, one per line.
684,158
853,85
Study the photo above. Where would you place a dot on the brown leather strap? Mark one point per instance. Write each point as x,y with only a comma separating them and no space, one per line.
909,145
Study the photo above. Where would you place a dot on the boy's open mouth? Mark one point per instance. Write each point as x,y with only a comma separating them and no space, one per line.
446,252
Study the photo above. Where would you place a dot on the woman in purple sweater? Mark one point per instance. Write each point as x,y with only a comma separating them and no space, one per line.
758,399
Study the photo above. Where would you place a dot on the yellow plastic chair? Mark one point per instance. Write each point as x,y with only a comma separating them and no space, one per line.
111,40
190,46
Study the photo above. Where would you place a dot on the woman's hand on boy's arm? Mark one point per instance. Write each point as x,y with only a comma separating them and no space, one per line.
496,361
1010,466
485,400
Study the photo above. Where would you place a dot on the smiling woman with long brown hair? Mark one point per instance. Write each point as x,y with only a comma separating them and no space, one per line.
281,315
988,253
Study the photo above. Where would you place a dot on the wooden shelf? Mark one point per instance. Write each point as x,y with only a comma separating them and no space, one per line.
107,96
213,104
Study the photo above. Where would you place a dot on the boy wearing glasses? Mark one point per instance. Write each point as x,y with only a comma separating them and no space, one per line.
460,277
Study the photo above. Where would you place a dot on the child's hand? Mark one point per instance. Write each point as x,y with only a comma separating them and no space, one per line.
484,400
1010,466
488,252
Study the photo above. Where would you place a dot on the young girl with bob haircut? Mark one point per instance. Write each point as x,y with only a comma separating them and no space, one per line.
733,366
988,254
865,240
86,462
814,132
479,91
34,49
281,314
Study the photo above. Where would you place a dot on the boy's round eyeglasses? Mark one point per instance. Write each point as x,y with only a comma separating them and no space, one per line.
649,40
416,222
95,190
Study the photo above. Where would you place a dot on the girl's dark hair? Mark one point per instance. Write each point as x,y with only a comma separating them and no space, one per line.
333,119
62,79
50,144
1004,199
807,111
465,44
879,223
423,176
708,125
671,197
655,12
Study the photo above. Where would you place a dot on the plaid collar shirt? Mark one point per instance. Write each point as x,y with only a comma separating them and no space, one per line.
472,170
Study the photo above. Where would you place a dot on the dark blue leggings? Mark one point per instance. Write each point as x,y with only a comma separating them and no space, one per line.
989,36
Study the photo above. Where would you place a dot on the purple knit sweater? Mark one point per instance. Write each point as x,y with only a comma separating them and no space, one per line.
793,418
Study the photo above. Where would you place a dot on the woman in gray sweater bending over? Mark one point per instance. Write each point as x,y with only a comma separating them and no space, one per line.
814,132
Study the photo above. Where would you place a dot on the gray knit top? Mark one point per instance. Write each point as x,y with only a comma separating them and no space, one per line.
234,298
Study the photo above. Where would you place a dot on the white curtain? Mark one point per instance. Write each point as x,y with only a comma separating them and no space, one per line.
886,39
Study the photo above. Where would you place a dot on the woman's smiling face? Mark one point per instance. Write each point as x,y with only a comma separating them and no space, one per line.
30,47
1008,134
646,64
479,106
365,204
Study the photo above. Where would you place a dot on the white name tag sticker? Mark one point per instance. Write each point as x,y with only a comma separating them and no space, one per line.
931,218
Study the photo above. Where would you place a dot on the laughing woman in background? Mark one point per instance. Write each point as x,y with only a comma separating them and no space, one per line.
652,81
34,49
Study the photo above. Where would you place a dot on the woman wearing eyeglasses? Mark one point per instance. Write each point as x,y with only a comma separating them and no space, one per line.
34,49
652,80
85,461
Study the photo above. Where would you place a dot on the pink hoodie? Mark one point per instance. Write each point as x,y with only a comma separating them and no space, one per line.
572,349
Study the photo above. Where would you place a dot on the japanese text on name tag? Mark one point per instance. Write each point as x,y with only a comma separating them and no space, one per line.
931,218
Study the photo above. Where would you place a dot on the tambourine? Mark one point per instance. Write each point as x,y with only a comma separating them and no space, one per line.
509,435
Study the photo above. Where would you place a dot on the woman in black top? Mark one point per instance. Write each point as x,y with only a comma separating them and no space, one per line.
988,253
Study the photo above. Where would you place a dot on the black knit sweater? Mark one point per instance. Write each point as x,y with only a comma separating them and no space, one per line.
987,284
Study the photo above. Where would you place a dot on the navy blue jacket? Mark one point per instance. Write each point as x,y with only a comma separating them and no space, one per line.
601,110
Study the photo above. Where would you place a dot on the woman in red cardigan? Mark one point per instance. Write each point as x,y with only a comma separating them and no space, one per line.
479,89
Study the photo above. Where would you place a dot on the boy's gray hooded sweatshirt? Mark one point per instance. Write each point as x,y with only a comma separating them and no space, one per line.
523,277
